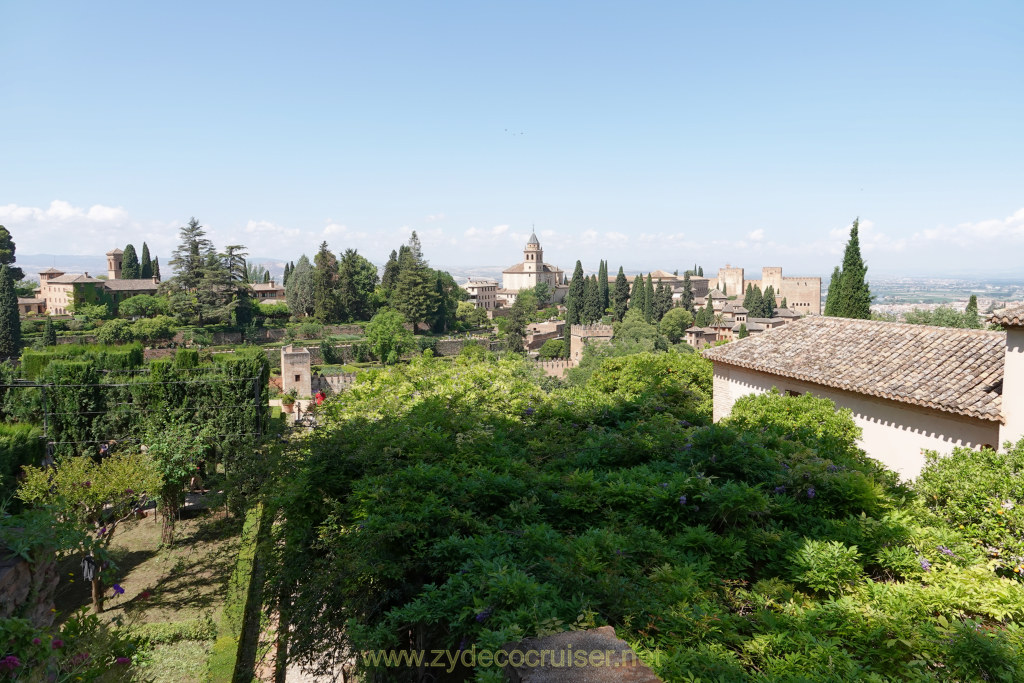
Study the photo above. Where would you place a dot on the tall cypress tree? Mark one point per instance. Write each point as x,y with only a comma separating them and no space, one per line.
664,300
156,268
620,297
686,300
325,281
593,306
636,297
145,263
10,324
266,277
515,330
700,271
649,300
756,303
768,303
602,280
971,313
854,294
574,301
725,289
832,297
130,264
748,300
49,333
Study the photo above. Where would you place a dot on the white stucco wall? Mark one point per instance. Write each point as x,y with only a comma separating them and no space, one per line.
894,433
1013,386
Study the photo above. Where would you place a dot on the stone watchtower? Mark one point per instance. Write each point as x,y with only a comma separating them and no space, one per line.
114,259
296,371
533,255
581,335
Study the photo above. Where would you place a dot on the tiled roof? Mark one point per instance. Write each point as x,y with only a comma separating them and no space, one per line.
267,287
715,294
751,327
521,268
953,370
1011,316
51,271
30,300
130,285
786,313
114,251
73,278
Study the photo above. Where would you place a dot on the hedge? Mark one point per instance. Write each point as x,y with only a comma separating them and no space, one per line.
20,444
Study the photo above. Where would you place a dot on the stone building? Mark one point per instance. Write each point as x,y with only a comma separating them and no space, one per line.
802,294
482,293
581,335
296,371
268,292
60,290
531,272
909,387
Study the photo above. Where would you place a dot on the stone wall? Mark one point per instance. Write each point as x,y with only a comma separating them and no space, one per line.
581,335
556,368
334,384
295,371
27,589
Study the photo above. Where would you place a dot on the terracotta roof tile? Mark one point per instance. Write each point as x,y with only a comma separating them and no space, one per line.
1011,316
130,285
953,370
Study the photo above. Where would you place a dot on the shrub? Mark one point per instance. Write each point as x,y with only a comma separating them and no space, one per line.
117,331
552,348
826,566
152,329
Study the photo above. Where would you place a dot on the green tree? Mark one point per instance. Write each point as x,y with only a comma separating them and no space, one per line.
574,300
96,498
725,287
176,450
971,313
768,303
469,316
784,304
705,315
756,304
49,333
130,269
662,300
156,268
391,270
325,280
832,297
620,296
189,258
700,271
686,300
357,278
299,290
145,263
542,290
592,310
233,260
116,331
7,249
743,332
636,295
854,296
10,322
675,323
649,300
551,349
255,273
446,301
602,280
387,335
515,329
414,295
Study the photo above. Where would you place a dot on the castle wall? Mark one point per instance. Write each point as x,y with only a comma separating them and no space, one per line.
802,294
581,335
731,279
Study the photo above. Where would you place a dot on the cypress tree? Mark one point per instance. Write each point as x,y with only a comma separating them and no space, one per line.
130,264
602,280
756,303
743,332
768,303
664,298
832,297
783,305
700,271
156,268
686,301
636,297
592,301
10,323
266,277
725,289
146,263
748,299
971,313
7,250
620,296
649,300
574,301
49,333
515,330
854,294
705,315
325,279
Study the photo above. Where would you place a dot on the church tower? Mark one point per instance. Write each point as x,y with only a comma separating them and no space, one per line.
533,255
114,259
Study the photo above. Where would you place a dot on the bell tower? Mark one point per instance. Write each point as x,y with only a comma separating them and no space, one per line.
533,255
114,259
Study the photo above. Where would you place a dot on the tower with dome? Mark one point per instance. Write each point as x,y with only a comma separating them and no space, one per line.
531,272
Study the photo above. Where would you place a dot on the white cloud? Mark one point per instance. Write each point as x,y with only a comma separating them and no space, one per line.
756,235
499,229
967,234
67,229
435,217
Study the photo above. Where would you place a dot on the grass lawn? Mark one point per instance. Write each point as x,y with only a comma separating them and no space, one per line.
172,594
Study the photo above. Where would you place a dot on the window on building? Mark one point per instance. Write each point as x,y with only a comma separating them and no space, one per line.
298,378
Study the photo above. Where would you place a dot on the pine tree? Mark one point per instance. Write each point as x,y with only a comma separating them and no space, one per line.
574,301
768,303
783,305
413,295
636,297
299,292
854,293
649,300
686,300
130,264
233,259
620,297
156,268
10,323
832,298
325,281
971,313
146,263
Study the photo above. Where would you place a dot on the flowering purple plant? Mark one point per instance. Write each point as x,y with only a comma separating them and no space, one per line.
811,492
779,490
946,551
10,663
482,616
117,589
682,500
925,564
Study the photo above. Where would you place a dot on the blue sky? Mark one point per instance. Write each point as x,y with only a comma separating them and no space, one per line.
652,134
